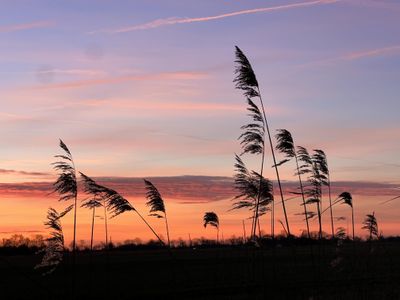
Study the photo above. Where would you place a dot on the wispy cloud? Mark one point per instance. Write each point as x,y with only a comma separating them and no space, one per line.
174,20
5,171
25,26
7,117
79,72
355,55
121,79
146,105
373,52
194,189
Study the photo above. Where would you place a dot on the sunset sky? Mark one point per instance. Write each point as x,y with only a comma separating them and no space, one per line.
144,89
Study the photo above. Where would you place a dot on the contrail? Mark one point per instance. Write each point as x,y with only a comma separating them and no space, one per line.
173,21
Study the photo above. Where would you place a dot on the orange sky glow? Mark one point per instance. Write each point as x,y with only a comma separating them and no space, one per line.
186,199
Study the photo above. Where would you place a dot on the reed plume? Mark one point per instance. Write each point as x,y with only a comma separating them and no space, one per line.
211,218
54,249
156,204
313,189
113,201
285,145
347,199
371,225
322,163
247,183
246,81
66,184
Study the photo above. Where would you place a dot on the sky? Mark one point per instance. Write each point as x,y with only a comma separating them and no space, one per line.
144,89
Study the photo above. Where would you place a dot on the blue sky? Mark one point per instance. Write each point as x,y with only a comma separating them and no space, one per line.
134,96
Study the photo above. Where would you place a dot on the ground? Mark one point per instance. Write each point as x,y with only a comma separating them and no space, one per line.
287,270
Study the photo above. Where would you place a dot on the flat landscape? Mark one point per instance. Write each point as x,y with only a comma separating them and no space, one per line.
288,270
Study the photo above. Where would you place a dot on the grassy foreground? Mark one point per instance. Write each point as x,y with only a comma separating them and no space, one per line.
360,270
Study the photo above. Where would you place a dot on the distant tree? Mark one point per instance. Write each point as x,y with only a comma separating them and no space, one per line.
15,241
371,225
211,218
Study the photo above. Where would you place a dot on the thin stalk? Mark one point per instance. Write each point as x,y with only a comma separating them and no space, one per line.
272,219
74,240
166,225
302,195
320,215
75,202
319,221
244,232
148,225
330,208
352,219
106,249
275,165
217,235
255,218
105,224
92,233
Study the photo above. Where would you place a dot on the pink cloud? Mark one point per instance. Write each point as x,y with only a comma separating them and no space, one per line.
164,105
25,26
373,52
355,55
79,72
121,79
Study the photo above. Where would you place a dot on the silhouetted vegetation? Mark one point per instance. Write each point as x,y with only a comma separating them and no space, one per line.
156,204
253,138
228,270
211,218
371,225
285,145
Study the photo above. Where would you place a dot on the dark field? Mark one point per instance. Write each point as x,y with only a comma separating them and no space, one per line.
320,271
